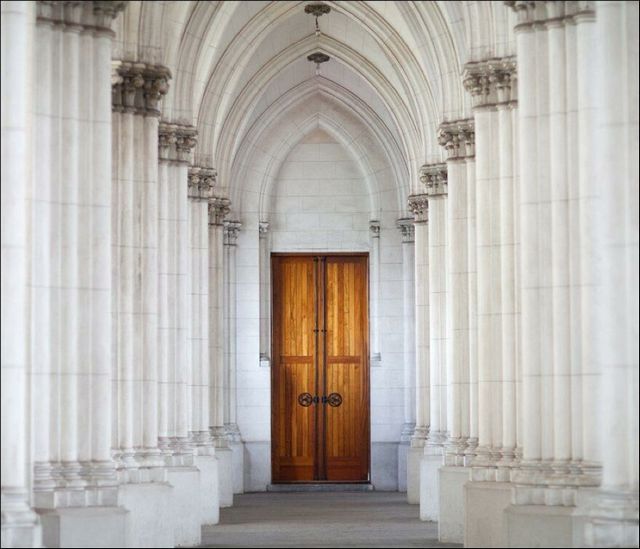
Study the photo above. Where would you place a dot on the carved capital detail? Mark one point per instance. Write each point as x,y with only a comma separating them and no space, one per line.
374,227
231,230
176,141
201,182
541,14
458,138
138,87
407,229
419,206
492,82
92,16
218,209
434,177
263,229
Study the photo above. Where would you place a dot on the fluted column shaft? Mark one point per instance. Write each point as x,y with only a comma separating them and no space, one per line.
435,179
614,521
137,89
374,228
70,278
201,182
231,230
492,86
218,208
457,138
408,289
174,352
265,293
419,204
17,24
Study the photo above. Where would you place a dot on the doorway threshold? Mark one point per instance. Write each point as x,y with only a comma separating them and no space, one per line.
320,487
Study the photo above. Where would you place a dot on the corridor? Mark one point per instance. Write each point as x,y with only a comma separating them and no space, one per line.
336,519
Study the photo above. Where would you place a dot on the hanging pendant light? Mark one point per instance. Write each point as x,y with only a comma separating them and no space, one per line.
317,10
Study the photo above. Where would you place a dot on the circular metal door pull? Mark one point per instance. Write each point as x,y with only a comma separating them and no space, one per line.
334,399
305,399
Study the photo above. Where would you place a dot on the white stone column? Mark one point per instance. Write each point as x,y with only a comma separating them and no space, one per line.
435,179
218,209
407,230
175,145
137,90
614,521
470,164
453,136
19,522
506,88
409,399
374,228
201,183
231,230
559,195
490,84
265,293
418,204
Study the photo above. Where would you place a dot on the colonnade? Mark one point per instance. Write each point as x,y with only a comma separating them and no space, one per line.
521,270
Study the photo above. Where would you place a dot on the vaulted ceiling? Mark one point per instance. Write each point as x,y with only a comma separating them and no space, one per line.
240,69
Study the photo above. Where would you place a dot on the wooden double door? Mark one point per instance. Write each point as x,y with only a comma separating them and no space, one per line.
320,371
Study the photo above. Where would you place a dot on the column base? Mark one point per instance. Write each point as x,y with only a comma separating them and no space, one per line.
429,491
83,527
20,525
149,522
209,489
414,457
403,456
225,475
543,526
185,505
237,459
611,520
484,506
451,523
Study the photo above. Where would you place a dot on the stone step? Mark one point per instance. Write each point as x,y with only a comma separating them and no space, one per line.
321,487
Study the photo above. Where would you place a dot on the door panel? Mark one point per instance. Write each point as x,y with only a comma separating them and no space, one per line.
347,425
320,347
294,371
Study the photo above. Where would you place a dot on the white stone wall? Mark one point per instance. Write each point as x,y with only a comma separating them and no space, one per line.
320,202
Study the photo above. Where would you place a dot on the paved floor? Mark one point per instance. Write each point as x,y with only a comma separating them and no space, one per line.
346,519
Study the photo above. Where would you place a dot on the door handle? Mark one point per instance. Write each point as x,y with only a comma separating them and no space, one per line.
307,399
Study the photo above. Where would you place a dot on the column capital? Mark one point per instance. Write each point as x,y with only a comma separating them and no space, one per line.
539,14
405,224
419,206
138,87
263,229
176,141
458,137
374,227
201,182
434,177
231,230
218,208
491,82
90,16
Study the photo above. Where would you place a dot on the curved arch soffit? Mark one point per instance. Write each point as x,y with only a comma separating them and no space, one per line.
406,127
282,147
220,81
365,116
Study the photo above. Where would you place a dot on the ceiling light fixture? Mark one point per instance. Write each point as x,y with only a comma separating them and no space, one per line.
317,10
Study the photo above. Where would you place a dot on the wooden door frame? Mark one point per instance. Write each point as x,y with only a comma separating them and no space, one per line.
367,355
